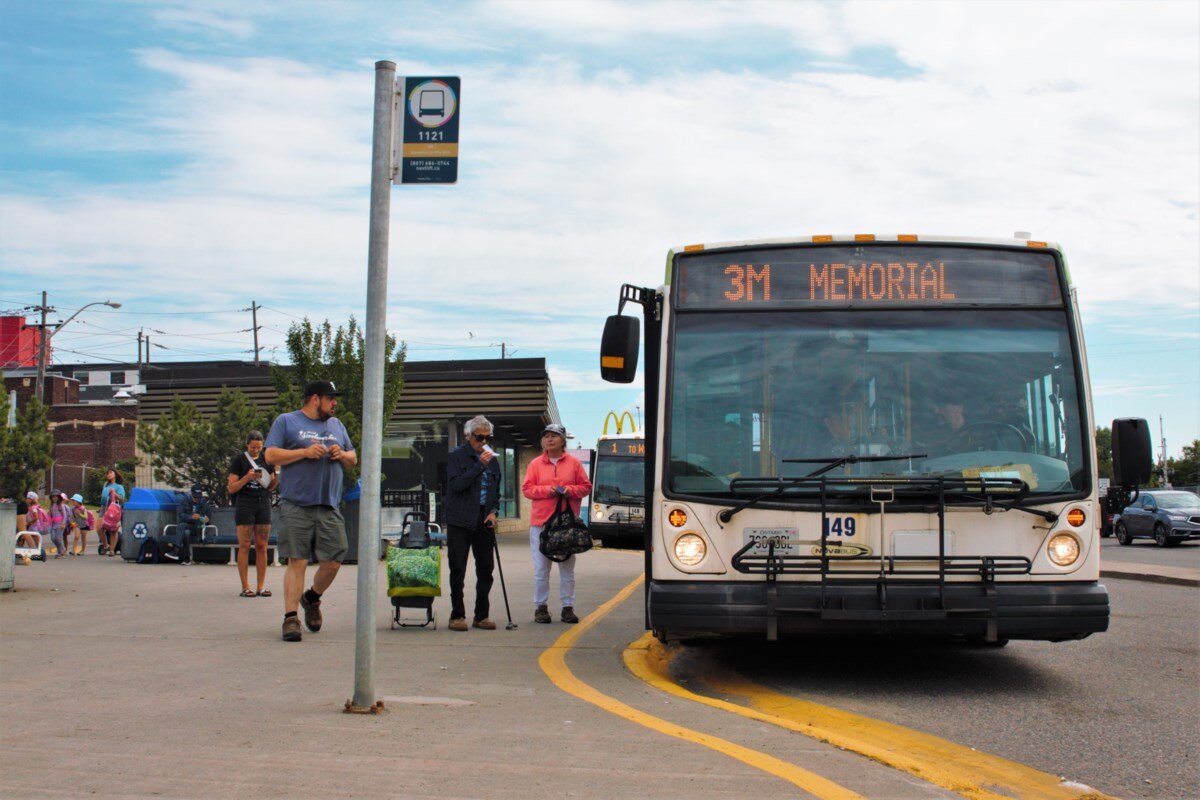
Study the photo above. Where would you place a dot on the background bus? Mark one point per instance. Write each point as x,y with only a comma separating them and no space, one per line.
618,507
869,435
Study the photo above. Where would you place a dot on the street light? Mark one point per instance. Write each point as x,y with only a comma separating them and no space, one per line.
47,335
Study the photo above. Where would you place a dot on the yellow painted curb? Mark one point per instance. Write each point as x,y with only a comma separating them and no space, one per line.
553,663
960,769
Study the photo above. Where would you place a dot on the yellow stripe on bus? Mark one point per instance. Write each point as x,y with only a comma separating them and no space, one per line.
960,769
553,663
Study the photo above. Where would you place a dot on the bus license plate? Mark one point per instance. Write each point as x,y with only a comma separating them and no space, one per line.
787,541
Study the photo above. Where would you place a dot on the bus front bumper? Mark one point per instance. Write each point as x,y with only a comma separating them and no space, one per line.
988,611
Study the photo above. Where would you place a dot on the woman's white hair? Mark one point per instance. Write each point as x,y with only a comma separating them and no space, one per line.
474,423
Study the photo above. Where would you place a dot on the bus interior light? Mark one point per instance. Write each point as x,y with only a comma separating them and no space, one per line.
690,549
1076,517
1063,549
677,518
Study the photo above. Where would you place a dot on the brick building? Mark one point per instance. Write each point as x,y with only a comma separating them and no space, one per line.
89,435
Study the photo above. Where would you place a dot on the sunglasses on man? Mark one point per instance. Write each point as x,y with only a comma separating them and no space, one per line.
481,437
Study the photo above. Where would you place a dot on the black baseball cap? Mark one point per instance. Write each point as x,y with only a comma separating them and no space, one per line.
555,428
323,388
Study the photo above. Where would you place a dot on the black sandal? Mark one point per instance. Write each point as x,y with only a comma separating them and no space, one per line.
265,593
246,593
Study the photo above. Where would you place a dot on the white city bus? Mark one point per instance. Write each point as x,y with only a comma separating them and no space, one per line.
618,504
869,434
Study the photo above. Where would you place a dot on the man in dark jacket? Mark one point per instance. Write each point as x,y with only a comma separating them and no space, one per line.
470,505
193,514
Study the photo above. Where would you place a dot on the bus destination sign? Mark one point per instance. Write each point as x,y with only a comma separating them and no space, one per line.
622,447
891,275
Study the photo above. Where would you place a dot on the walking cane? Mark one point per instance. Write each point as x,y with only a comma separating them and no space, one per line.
496,544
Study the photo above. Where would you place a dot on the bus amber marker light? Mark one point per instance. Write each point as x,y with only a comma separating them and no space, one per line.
690,549
1063,549
677,518
1076,517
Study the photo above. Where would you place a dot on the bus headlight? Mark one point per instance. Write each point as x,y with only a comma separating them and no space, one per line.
597,515
1063,549
690,549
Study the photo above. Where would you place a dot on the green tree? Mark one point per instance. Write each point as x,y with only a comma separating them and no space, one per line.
1104,452
185,447
25,449
321,353
1185,470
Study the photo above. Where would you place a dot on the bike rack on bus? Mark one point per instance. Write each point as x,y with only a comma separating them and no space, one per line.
881,571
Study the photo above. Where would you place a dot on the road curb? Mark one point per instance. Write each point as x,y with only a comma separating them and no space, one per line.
1149,577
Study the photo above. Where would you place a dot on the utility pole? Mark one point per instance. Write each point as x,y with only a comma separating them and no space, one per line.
147,349
502,351
1166,474
254,323
139,348
42,342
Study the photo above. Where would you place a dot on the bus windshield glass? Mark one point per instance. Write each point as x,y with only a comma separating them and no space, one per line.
619,480
962,393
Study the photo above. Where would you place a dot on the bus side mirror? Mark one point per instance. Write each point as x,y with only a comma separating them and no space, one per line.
1131,456
619,349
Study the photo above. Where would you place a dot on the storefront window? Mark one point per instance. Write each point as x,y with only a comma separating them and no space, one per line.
510,481
414,455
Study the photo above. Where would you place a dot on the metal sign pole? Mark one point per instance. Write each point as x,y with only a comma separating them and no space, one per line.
372,429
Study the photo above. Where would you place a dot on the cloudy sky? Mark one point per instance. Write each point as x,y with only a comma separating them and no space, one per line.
187,158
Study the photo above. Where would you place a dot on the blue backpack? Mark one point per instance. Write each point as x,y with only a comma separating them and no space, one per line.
148,552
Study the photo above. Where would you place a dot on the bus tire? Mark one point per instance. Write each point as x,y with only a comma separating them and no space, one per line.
1123,536
659,634
1161,537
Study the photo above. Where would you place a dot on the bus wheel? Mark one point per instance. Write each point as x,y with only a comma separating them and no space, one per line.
661,635
1123,534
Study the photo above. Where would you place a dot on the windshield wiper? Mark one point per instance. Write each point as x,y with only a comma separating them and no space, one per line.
833,462
830,462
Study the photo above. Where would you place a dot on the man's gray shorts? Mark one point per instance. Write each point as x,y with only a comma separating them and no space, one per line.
311,533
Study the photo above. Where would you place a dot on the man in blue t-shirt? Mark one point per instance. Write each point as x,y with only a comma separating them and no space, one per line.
309,447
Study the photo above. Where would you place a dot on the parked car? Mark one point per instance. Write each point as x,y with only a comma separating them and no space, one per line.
1167,516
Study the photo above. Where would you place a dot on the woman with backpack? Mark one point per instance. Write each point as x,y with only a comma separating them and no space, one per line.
59,516
112,497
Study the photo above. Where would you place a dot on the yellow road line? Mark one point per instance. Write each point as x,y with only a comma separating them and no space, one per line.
553,663
960,769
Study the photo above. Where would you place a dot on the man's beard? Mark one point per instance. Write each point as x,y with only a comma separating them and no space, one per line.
324,415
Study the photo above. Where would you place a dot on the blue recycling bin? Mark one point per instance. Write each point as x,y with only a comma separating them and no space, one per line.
145,514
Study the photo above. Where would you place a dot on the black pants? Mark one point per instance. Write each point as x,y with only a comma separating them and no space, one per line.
479,542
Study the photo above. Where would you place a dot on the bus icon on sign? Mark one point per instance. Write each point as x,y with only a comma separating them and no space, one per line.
432,102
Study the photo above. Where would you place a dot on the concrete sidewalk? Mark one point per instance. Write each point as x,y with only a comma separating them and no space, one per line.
120,680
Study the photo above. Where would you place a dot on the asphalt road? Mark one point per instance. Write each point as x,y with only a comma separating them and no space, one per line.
1145,551
1119,711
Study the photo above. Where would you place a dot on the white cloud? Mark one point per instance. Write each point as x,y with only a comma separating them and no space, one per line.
1078,122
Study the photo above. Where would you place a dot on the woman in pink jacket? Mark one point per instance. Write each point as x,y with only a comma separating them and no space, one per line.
550,475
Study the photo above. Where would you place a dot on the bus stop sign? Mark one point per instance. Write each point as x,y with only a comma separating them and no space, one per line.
428,131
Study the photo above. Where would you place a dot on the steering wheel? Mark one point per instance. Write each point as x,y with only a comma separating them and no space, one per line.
991,432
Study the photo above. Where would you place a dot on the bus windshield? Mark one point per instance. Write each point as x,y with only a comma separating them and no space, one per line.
620,480
960,393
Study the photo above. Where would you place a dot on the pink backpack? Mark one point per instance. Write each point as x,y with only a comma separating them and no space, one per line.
38,520
112,515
